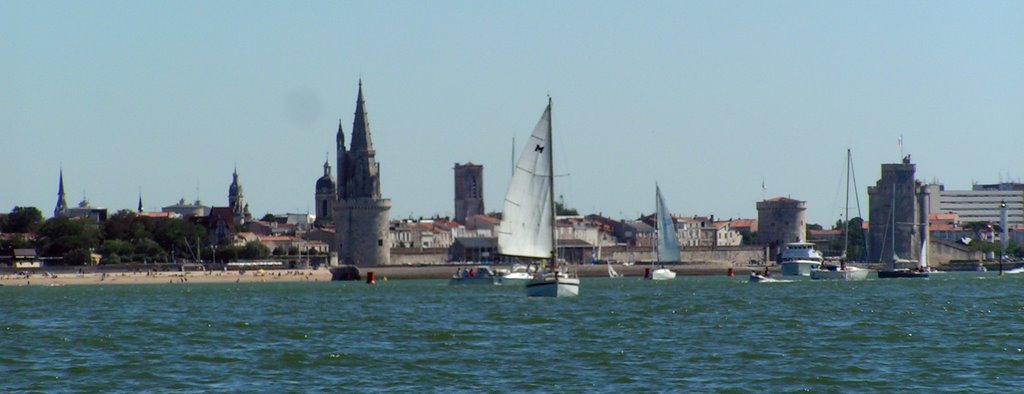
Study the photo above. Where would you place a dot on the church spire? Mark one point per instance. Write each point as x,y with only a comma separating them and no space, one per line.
62,206
361,125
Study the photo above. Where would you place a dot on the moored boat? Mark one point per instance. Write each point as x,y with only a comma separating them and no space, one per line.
799,259
474,276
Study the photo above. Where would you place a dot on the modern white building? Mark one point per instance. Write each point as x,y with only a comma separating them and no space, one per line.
982,204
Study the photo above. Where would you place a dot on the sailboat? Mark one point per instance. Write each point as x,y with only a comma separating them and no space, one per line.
668,242
843,271
894,272
528,215
612,273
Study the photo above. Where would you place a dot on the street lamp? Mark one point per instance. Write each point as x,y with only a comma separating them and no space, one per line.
1002,234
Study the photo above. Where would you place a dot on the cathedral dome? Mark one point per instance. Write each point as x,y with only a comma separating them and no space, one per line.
325,184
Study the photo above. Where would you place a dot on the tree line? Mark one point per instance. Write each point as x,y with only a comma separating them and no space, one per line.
123,237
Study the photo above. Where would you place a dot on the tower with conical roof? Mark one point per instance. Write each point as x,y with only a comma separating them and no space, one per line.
361,214
62,205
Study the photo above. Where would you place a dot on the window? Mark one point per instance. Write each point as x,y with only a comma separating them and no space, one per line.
380,242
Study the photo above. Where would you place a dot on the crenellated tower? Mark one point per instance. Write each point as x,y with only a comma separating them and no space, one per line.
361,214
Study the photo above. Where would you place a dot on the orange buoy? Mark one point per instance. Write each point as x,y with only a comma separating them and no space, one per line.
731,274
647,273
370,279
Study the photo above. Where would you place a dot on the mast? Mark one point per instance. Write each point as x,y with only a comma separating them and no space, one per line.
551,193
892,216
846,215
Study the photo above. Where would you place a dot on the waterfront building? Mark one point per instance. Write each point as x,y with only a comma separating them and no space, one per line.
894,230
780,221
469,191
361,214
980,204
324,198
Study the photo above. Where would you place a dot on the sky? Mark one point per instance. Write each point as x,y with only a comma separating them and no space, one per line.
708,99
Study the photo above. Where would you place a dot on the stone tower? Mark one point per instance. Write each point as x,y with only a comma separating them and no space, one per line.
469,191
62,205
896,185
326,195
236,201
360,215
780,221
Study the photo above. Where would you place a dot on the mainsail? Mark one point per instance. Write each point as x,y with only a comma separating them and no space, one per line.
526,228
668,243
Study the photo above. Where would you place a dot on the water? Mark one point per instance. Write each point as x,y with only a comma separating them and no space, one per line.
955,332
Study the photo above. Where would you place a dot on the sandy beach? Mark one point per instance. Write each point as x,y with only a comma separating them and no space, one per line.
135,278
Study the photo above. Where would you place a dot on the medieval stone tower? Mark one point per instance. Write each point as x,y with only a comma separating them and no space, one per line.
469,191
781,221
896,204
360,215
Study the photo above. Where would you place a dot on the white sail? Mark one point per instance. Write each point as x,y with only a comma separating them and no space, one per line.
923,263
668,243
526,228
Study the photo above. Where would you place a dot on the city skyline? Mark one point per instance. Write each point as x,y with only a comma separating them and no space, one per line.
710,100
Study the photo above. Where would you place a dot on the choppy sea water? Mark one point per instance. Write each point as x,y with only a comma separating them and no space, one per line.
952,332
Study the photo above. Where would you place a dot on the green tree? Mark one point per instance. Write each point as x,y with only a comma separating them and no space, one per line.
22,220
254,250
7,245
78,257
116,247
561,210
179,236
59,236
268,218
148,249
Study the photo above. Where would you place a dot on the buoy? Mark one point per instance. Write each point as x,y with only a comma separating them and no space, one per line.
647,273
731,273
370,279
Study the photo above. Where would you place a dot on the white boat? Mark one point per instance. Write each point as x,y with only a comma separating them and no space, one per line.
519,274
799,259
757,278
843,271
840,272
980,267
612,273
528,217
1018,270
668,242
482,275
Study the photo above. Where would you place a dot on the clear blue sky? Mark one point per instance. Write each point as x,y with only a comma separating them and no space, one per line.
707,98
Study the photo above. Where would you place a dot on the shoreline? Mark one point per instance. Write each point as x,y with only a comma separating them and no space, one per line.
61,278
164,277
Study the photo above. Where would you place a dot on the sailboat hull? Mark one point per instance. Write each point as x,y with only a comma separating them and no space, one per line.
553,287
901,273
849,273
661,274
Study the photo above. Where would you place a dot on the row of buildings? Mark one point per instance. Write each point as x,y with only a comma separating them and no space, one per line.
352,219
